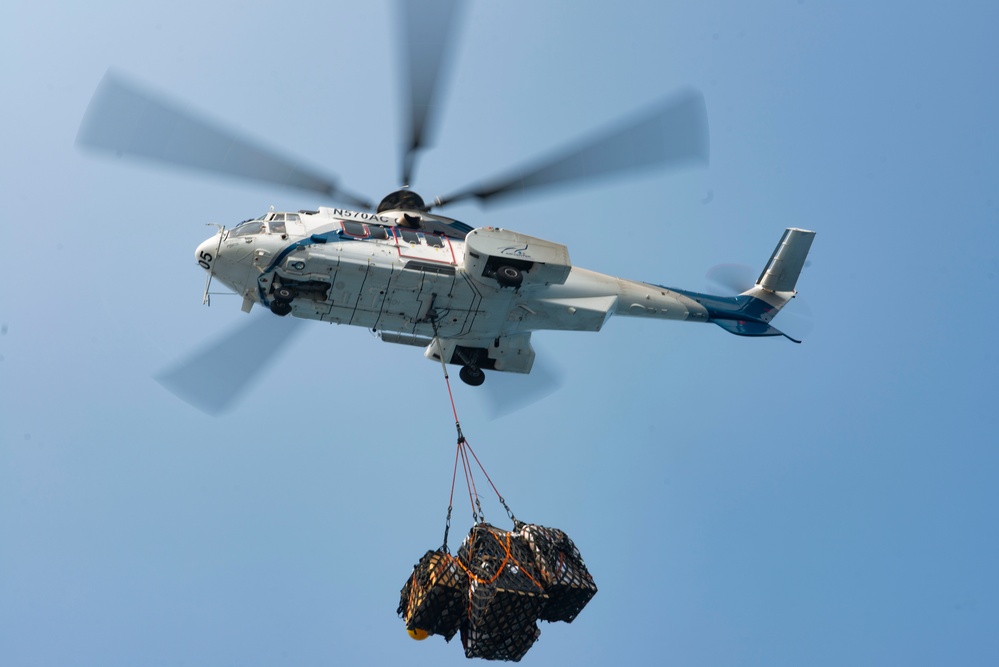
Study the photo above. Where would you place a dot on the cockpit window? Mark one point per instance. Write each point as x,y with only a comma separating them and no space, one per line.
277,224
246,228
277,221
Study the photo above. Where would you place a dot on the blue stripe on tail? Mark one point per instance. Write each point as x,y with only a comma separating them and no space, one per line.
741,315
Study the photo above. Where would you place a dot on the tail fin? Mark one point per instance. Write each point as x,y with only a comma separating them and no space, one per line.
750,313
775,285
781,272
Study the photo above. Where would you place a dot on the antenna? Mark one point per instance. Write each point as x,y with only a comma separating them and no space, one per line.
206,300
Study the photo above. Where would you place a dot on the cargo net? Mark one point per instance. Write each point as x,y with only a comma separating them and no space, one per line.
566,580
497,589
435,598
506,596
500,584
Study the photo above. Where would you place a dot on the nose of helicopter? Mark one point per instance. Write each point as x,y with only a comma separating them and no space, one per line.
206,253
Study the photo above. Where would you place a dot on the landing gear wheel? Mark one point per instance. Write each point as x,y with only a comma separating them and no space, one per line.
509,276
281,308
472,376
286,294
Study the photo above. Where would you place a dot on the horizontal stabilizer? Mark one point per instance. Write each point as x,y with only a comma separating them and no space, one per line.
751,328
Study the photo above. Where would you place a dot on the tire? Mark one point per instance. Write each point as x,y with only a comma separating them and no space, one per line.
281,308
286,294
472,376
509,276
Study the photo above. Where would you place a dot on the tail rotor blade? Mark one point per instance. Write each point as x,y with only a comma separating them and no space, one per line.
673,133
214,377
735,278
125,120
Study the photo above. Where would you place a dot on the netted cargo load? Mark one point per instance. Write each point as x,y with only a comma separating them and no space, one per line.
506,594
500,583
435,598
567,582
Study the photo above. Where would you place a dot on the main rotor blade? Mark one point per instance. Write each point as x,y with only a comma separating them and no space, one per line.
506,393
427,29
673,133
215,376
125,120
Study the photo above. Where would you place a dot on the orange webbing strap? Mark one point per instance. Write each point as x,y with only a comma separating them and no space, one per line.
507,557
499,570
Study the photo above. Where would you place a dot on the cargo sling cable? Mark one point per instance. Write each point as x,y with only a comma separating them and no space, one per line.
465,453
500,583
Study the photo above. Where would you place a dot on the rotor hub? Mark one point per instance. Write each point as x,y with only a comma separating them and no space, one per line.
402,200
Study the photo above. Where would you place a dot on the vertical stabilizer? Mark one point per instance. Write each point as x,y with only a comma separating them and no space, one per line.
775,287
750,313
782,271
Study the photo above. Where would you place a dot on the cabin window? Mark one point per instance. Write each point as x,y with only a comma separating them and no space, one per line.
355,229
292,217
409,236
378,232
434,241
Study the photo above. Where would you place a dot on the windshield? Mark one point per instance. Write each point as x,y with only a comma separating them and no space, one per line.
248,227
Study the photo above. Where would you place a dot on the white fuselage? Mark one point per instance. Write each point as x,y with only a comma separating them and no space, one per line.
347,267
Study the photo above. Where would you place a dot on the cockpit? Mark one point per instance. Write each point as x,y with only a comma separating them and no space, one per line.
268,223
246,228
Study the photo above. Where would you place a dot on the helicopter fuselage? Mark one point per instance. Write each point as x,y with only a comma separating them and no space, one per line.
415,277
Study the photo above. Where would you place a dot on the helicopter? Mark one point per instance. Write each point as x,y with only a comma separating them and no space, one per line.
470,297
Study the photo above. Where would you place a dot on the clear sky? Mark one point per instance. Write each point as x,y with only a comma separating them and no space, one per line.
738,501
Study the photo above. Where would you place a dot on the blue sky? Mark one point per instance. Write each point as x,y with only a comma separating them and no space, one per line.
738,501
